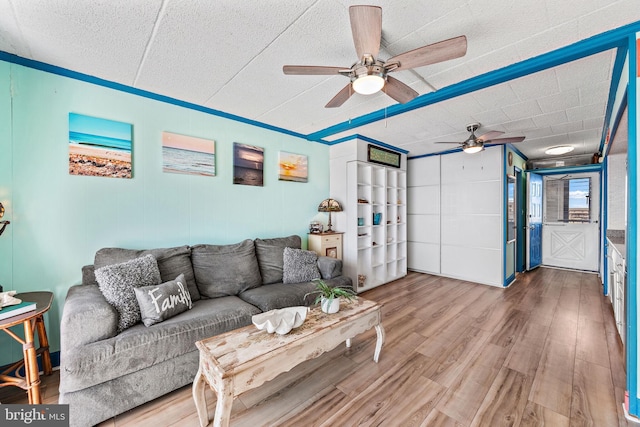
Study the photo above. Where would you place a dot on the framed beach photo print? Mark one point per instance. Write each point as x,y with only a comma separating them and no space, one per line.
188,155
293,167
248,164
99,147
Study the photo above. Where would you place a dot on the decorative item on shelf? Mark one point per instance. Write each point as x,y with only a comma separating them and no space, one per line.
329,205
4,223
315,227
363,201
377,218
329,297
360,221
280,321
362,279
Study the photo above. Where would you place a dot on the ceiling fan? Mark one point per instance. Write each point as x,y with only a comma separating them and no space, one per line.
370,74
474,143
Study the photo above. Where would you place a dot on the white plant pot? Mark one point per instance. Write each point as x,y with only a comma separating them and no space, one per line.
334,307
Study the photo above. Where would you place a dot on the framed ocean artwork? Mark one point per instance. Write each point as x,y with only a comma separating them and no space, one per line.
293,167
99,147
248,164
188,155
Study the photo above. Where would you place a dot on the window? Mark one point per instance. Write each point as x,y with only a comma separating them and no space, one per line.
567,200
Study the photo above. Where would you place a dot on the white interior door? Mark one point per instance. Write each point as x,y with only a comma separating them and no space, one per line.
570,232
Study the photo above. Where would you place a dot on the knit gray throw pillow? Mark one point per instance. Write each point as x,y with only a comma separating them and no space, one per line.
117,281
299,266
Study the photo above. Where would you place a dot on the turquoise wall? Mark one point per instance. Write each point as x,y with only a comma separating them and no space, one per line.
58,221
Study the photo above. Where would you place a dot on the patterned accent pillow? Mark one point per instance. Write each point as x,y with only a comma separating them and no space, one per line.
299,266
161,302
117,281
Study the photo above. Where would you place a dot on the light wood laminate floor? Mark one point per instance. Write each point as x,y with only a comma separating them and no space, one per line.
543,352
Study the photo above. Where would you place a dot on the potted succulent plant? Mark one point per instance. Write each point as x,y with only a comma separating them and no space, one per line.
329,297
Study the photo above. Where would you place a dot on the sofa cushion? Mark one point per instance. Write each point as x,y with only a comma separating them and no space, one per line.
299,266
161,302
270,254
222,270
171,262
280,295
117,282
140,347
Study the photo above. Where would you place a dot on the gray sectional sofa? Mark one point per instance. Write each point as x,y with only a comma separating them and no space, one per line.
104,373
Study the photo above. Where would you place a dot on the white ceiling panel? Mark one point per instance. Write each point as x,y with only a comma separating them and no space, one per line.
228,55
103,39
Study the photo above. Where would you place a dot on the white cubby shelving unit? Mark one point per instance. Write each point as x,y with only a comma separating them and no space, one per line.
375,251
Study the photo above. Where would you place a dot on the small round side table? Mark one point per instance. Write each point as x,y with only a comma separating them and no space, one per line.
33,323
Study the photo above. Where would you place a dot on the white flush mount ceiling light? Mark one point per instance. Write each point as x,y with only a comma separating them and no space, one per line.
560,149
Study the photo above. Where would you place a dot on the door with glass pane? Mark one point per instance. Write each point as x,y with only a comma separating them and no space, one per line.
534,220
571,227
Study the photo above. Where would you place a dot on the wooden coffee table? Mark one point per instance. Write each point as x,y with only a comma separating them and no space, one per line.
246,358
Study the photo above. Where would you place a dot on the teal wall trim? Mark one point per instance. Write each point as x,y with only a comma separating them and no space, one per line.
609,40
632,230
36,65
518,152
618,69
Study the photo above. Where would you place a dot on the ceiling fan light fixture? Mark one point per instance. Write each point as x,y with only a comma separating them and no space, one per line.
559,149
471,149
368,84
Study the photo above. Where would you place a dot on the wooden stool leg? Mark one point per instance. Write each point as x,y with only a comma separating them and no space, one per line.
44,345
31,365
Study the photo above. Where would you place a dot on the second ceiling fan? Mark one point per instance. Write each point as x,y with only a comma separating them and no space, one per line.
370,74
474,144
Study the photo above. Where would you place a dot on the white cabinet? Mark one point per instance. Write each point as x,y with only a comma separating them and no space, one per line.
375,243
617,285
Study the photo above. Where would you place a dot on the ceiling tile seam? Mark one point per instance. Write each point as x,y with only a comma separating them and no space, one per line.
76,75
582,48
255,58
147,48
15,18
385,46
301,94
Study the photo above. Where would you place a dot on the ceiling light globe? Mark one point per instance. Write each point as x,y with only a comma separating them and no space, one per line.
367,85
560,149
471,149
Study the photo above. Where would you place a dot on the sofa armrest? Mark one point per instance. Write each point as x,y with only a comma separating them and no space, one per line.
87,317
329,267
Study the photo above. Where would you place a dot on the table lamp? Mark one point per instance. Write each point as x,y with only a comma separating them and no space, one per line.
329,205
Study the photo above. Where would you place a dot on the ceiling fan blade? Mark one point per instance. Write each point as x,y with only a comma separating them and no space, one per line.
341,97
448,142
489,135
366,27
431,54
399,91
312,70
505,140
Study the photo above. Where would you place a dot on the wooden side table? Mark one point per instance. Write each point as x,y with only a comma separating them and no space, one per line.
33,323
326,244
